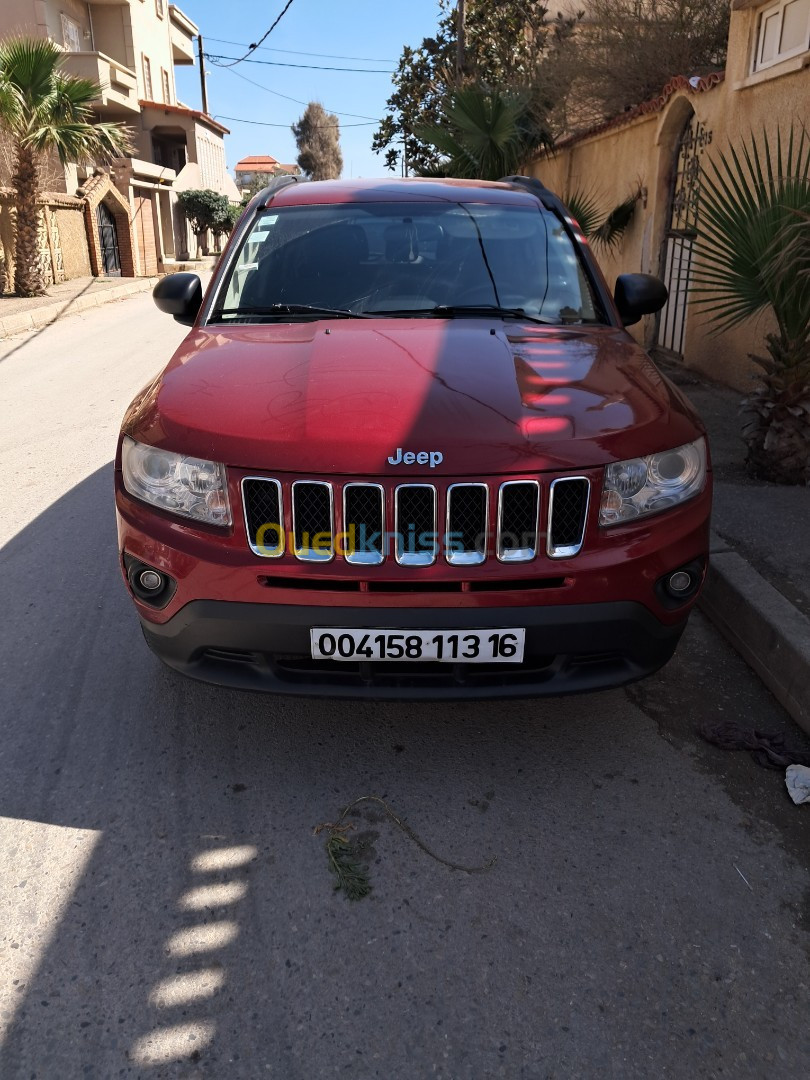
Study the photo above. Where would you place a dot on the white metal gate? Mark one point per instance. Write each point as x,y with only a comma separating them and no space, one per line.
679,244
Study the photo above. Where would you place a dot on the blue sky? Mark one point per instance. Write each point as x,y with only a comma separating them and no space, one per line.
376,29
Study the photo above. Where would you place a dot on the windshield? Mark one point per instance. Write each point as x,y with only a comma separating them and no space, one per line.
437,259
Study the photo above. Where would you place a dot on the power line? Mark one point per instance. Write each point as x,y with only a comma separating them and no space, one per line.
296,101
253,47
264,123
215,59
298,52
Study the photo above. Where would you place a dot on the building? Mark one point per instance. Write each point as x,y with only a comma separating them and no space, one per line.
249,168
661,148
131,48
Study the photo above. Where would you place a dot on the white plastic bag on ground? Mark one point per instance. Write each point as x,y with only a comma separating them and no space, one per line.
797,780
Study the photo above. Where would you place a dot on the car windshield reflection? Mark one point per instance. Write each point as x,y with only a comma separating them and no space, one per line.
412,259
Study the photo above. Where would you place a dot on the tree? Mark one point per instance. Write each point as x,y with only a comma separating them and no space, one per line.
505,47
317,135
204,210
259,180
624,51
602,229
225,220
485,134
43,111
753,256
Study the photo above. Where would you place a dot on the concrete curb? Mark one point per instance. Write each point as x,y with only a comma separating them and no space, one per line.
771,635
48,313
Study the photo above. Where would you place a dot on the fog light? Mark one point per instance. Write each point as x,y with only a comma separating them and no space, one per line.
679,582
151,580
150,586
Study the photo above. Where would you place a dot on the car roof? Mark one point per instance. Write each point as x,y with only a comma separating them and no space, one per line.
394,189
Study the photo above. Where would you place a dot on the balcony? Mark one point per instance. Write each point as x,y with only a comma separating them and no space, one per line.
181,33
119,85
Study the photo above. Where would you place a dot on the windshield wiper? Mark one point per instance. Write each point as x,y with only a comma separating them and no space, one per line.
276,310
448,311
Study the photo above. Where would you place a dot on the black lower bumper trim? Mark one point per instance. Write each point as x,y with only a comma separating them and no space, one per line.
569,649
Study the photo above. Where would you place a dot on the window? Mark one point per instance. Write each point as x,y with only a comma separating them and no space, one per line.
71,35
147,79
404,258
783,30
159,8
167,93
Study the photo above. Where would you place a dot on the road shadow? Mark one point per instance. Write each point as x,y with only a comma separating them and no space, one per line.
203,936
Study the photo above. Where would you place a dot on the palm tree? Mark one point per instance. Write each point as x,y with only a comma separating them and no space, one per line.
485,134
753,248
604,230
44,111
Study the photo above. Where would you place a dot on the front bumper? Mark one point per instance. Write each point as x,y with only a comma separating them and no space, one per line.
569,649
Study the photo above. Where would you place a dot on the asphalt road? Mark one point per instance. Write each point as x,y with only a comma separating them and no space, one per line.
165,910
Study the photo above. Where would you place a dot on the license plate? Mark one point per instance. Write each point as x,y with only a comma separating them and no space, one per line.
444,646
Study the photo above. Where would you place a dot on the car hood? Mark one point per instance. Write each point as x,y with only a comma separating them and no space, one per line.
344,396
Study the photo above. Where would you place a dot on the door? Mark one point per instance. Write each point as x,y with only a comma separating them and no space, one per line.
108,241
681,233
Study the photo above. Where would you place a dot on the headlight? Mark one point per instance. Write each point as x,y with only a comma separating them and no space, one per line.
182,485
646,485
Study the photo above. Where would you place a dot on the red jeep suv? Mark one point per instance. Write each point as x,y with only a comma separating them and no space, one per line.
409,450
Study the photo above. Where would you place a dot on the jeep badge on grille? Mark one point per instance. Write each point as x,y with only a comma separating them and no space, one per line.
422,457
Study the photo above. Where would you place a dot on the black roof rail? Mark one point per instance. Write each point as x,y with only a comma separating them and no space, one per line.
539,190
275,185
279,182
536,187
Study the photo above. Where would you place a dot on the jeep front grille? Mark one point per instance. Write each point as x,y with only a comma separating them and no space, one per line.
567,515
404,521
467,520
364,523
313,529
415,524
518,520
264,516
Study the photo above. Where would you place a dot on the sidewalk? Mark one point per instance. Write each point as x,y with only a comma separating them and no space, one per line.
18,314
758,588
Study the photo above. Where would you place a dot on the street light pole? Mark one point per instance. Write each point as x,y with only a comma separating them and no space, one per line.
203,87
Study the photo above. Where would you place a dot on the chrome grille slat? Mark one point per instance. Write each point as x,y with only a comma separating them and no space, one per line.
364,509
518,520
264,516
313,520
467,524
567,516
415,515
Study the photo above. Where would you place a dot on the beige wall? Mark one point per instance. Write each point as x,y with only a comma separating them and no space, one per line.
41,17
73,239
152,38
641,152
112,34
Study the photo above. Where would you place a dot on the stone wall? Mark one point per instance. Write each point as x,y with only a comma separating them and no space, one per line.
63,239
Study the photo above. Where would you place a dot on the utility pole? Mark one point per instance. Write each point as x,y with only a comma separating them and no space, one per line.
460,38
203,87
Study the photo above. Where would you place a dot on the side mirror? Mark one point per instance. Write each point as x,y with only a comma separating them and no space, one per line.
637,295
179,295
